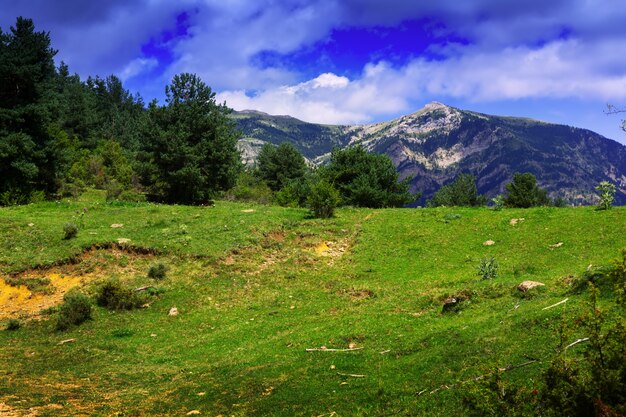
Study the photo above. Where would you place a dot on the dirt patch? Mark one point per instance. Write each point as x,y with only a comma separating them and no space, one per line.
356,294
276,236
331,249
20,301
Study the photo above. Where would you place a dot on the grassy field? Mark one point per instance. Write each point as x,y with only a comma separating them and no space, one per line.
256,286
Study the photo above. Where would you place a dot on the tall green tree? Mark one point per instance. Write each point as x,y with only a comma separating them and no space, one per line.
190,144
523,192
366,179
280,165
461,192
27,155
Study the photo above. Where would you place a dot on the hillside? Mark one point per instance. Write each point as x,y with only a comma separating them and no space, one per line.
256,286
433,145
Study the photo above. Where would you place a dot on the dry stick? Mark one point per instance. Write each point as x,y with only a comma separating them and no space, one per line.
62,342
144,288
352,375
554,305
584,339
332,350
478,378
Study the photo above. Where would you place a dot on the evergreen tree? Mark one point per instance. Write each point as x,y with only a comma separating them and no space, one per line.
461,192
27,151
190,144
366,179
280,165
523,192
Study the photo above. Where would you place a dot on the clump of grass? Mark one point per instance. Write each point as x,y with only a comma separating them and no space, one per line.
113,295
37,285
70,231
13,324
76,309
488,268
158,271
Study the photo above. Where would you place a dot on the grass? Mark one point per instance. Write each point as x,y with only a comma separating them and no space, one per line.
254,289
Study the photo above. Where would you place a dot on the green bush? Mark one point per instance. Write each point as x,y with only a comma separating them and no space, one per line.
70,231
323,200
295,193
461,192
277,166
523,192
13,324
75,309
250,189
157,271
498,202
366,179
113,295
488,268
606,192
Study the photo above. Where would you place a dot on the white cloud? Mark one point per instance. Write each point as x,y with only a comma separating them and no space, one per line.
136,67
561,69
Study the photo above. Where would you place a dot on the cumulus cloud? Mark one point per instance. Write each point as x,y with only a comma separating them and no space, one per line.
560,69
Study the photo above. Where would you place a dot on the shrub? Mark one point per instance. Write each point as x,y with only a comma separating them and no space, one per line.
366,179
75,309
132,196
115,296
606,192
559,202
277,166
13,324
323,200
157,271
250,188
523,192
70,231
498,202
488,268
295,193
461,192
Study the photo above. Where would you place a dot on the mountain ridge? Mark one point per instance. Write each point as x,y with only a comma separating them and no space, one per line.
437,142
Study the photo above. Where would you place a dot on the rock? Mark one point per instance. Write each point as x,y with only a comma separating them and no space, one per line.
528,285
489,243
31,224
450,304
173,312
556,245
123,240
193,413
513,222
116,225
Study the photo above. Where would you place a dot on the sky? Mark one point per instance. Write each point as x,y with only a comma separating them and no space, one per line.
356,61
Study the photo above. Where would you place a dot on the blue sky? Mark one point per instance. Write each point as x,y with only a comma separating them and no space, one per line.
356,61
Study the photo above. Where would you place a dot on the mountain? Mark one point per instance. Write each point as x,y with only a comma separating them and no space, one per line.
435,144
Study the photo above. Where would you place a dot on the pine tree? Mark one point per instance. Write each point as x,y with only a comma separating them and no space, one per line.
190,144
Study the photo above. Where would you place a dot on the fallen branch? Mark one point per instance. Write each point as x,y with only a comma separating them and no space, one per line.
62,342
385,351
554,305
478,378
324,349
147,287
352,375
584,339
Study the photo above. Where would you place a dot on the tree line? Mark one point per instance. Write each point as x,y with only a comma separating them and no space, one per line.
60,134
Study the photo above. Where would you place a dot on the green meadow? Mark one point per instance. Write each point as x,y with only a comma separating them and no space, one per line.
280,314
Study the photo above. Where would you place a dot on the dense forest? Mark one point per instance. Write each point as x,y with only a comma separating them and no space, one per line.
60,133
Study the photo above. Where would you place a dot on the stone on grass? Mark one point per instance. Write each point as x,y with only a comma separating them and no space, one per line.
529,285
489,243
173,312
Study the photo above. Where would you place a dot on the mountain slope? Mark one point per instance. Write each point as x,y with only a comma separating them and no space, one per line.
435,144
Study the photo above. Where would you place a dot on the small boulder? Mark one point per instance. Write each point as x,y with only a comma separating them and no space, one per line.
116,225
173,312
489,243
529,285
